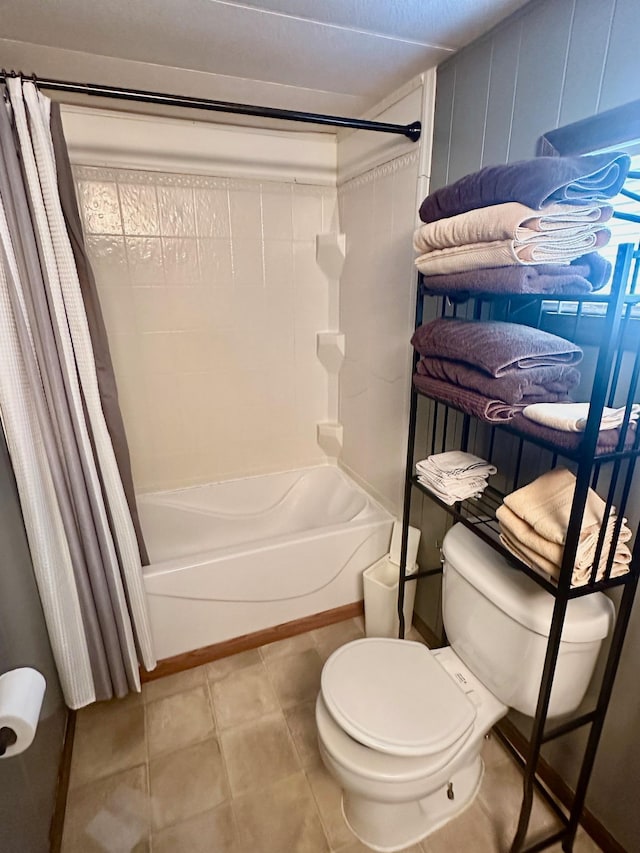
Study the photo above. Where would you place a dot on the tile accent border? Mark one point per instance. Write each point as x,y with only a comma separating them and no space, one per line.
207,654
382,171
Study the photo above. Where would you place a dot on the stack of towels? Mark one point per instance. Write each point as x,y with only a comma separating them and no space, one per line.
455,475
534,521
492,370
528,227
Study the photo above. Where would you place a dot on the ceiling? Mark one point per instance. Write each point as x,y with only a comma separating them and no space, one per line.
333,55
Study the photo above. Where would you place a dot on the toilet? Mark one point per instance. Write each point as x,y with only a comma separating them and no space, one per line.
401,727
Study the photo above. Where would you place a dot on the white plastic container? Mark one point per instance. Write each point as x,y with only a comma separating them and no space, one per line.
381,581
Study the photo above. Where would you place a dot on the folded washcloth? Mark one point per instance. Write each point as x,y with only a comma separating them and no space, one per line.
457,463
608,439
572,417
454,475
510,221
549,383
589,272
535,183
543,249
493,346
470,402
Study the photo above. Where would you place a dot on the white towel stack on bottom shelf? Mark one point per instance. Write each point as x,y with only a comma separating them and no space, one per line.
455,475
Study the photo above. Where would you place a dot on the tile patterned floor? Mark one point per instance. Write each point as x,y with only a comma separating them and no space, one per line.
223,759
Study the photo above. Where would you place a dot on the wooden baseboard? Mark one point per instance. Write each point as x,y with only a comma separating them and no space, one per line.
62,787
550,777
197,657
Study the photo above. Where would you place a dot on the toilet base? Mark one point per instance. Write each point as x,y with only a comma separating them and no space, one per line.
392,826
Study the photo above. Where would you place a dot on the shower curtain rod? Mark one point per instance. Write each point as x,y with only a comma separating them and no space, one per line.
411,131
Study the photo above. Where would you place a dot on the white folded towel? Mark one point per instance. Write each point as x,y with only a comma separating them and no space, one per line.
572,417
510,221
540,249
457,463
454,475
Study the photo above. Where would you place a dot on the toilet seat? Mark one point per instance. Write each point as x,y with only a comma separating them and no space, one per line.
394,697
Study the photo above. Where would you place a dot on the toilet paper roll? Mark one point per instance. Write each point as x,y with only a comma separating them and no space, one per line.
21,695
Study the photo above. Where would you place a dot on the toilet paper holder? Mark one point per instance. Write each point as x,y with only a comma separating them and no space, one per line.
7,738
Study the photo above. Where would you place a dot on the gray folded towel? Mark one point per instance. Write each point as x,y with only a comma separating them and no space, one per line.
493,346
548,384
470,402
587,273
607,438
535,183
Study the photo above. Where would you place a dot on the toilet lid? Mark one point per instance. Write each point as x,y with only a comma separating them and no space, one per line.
393,696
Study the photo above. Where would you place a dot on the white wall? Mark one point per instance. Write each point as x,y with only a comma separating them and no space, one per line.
380,180
210,290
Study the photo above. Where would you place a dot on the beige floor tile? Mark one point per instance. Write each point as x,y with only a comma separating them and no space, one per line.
280,818
225,666
359,847
110,814
302,725
171,684
493,752
246,696
288,646
414,635
296,678
186,783
178,720
328,797
331,637
211,832
582,844
472,830
108,738
501,796
258,753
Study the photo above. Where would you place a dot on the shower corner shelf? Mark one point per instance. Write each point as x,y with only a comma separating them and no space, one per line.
605,322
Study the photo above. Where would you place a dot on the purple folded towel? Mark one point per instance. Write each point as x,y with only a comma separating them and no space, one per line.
590,272
492,346
535,183
549,384
607,438
470,402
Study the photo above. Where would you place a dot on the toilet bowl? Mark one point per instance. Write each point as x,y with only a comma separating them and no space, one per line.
414,762
401,727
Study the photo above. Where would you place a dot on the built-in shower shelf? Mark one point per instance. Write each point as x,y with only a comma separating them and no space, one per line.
330,435
330,253
330,349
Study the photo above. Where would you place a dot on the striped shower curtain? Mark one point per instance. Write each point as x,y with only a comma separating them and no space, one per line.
82,539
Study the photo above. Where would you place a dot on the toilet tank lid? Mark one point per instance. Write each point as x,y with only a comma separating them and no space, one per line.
587,618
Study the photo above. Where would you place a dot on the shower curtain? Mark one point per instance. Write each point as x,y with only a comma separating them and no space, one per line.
81,535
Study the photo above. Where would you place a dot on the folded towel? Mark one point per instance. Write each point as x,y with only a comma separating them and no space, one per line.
589,272
510,221
608,440
572,417
457,463
538,563
522,533
535,183
550,383
454,475
553,248
493,346
470,402
545,504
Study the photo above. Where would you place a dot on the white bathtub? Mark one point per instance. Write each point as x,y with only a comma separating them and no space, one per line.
232,558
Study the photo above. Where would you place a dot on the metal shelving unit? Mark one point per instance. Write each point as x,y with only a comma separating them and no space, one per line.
611,324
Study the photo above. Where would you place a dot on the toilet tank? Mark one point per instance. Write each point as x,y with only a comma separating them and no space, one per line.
497,620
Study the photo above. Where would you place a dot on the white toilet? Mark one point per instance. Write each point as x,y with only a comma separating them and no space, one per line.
401,727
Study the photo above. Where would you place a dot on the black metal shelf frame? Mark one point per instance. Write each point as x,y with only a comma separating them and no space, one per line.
615,382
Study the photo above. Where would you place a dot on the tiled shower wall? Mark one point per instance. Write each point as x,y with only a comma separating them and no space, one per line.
377,297
212,300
